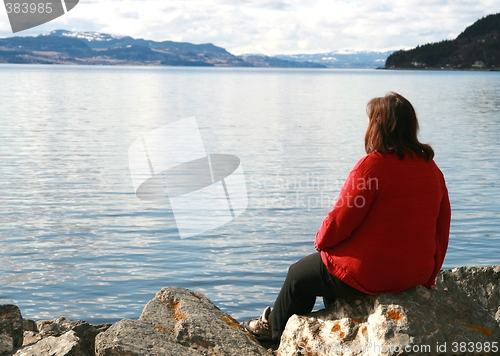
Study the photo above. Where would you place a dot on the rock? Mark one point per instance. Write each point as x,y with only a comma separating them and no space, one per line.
482,284
132,337
83,330
31,334
11,329
178,322
29,325
463,311
59,337
68,344
30,338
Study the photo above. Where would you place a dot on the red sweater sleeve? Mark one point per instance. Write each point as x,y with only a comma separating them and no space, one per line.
352,205
442,235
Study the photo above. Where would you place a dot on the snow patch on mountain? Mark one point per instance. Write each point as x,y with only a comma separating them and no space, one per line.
87,36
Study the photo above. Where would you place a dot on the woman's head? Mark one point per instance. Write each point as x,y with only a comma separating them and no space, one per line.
393,127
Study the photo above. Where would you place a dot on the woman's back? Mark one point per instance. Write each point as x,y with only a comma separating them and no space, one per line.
388,230
393,246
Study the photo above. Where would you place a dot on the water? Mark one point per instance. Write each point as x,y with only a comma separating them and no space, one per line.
75,241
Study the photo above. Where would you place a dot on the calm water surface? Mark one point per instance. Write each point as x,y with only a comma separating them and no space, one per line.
75,241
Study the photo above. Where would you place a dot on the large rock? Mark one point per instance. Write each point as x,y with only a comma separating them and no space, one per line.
67,344
178,322
84,331
481,284
132,337
11,329
59,337
461,317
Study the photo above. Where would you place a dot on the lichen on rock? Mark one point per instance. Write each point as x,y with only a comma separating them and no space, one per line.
464,308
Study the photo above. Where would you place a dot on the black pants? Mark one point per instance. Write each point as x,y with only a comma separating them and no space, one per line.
306,280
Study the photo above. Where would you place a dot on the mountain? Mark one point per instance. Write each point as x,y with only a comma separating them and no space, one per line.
259,60
477,47
67,47
342,59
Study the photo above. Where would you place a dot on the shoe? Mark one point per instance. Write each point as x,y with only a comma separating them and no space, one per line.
260,327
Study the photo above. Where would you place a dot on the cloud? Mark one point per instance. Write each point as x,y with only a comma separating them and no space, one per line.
275,26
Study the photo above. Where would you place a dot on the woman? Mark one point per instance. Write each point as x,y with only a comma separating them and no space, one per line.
388,230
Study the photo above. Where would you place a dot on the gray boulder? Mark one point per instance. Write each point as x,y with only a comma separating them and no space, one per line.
178,322
59,337
460,317
11,329
132,337
84,331
481,284
67,344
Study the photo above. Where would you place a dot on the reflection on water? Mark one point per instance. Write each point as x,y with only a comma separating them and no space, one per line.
75,241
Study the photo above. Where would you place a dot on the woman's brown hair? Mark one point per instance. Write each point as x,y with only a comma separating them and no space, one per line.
393,127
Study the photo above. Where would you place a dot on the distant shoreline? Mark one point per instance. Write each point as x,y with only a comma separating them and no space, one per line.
446,69
155,65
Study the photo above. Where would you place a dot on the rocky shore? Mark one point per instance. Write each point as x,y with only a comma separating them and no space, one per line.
461,317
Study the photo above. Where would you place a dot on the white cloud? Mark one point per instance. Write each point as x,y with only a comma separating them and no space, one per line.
275,26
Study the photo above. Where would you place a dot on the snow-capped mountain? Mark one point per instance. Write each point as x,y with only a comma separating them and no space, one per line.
342,59
71,47
87,36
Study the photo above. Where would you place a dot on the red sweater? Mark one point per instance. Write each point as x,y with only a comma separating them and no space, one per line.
389,228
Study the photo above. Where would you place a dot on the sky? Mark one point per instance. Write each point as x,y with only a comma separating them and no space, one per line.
274,27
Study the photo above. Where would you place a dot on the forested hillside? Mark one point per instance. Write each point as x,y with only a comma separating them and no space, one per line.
477,47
